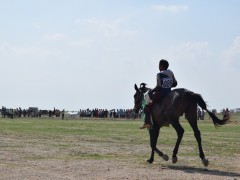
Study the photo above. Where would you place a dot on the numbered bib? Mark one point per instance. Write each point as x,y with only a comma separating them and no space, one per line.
167,82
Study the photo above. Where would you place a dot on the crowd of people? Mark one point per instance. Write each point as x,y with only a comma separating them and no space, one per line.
82,113
104,113
30,112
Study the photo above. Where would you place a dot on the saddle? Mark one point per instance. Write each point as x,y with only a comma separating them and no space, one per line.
156,97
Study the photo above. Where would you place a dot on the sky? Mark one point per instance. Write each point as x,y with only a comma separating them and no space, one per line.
79,54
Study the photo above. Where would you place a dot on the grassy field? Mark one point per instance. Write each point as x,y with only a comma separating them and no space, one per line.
99,139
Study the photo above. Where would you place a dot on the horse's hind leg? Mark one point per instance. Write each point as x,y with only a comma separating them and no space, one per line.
180,131
160,153
197,135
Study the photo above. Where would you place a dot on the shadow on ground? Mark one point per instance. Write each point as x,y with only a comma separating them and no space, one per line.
206,171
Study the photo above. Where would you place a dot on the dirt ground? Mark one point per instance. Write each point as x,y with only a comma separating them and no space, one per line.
78,157
92,169
15,165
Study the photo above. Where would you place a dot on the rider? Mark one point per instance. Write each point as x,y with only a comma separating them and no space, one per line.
165,81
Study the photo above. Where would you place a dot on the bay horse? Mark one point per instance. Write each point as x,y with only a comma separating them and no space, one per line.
168,110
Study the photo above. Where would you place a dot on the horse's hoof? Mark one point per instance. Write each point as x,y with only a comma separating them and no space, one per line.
150,161
205,162
165,157
174,160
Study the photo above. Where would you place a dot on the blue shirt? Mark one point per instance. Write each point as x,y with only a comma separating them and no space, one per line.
165,80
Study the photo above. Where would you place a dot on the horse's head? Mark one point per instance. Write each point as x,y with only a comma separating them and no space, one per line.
138,96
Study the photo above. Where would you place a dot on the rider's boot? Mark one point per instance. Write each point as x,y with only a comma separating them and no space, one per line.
147,120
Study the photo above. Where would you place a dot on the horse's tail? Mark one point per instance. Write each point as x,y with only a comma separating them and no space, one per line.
203,105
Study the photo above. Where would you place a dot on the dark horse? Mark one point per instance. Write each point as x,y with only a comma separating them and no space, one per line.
168,111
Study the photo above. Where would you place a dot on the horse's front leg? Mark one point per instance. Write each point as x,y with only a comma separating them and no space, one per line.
152,144
154,133
151,159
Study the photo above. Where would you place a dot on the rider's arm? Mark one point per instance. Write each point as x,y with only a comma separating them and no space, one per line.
174,81
156,89
158,86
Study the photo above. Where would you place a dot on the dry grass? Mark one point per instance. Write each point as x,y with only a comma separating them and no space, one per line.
112,149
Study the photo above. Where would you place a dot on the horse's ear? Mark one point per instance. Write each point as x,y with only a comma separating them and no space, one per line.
136,88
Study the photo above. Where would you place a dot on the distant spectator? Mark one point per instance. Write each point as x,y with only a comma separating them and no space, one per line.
63,112
203,113
199,112
40,113
226,113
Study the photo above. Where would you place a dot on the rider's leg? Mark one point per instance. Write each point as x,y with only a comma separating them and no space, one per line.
147,119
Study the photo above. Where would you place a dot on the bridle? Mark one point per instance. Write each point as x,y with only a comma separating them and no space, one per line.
138,101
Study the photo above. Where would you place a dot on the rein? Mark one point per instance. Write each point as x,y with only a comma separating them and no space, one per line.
139,105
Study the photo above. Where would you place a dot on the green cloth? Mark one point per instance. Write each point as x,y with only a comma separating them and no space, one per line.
144,103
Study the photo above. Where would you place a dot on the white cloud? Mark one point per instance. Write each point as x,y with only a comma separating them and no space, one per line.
170,8
77,21
189,51
9,52
36,25
15,53
232,54
191,61
85,42
109,28
55,37
5,49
